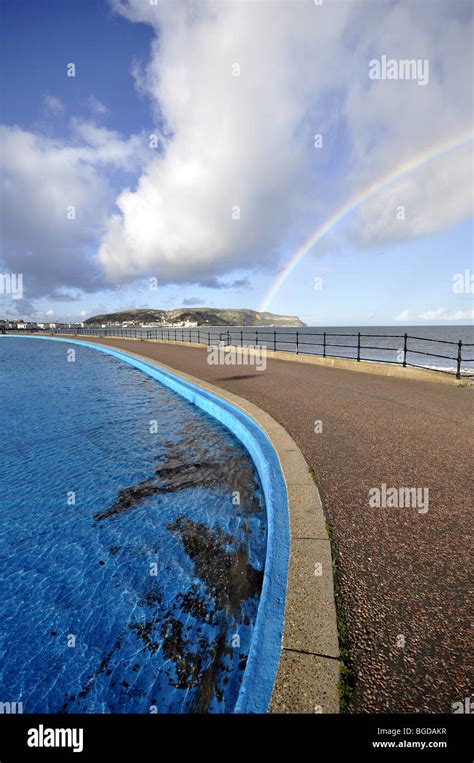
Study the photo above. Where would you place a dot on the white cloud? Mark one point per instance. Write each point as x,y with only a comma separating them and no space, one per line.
432,199
393,122
42,178
403,316
247,140
232,140
95,106
100,146
54,104
441,314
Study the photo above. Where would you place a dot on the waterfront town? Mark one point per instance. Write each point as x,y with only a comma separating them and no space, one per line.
22,325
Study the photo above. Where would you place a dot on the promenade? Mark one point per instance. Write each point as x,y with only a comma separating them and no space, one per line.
404,573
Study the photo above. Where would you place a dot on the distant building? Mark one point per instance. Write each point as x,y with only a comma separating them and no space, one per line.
184,324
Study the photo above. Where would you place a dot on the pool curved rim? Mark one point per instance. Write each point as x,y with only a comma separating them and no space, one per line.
264,654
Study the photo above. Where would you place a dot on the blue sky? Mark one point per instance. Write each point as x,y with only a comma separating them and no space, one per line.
38,39
227,142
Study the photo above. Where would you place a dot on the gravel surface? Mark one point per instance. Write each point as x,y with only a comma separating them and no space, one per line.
404,573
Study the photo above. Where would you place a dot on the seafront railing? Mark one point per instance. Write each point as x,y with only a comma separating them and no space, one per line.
326,344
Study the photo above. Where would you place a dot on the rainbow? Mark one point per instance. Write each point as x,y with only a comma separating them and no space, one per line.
434,152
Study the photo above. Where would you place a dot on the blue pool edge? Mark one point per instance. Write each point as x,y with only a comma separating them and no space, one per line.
265,649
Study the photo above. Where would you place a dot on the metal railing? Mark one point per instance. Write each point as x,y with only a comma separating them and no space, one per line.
307,343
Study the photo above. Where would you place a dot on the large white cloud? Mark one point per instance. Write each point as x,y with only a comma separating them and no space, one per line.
247,140
42,179
234,140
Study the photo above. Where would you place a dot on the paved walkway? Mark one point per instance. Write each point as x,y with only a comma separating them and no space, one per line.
404,574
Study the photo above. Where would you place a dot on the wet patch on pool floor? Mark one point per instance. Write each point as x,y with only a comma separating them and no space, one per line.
197,632
175,472
227,576
228,581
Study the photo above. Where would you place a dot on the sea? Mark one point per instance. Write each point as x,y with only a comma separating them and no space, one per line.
434,347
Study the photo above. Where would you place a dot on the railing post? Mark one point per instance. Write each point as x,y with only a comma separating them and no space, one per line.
297,341
199,337
358,345
274,341
405,349
256,337
209,338
241,338
458,370
324,344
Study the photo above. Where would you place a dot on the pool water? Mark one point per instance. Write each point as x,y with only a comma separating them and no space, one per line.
132,540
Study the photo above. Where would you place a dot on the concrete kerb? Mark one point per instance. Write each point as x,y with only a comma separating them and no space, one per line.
309,667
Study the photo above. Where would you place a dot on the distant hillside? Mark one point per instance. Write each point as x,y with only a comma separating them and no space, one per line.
203,316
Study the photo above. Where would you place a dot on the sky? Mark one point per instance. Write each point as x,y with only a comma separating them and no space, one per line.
198,144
